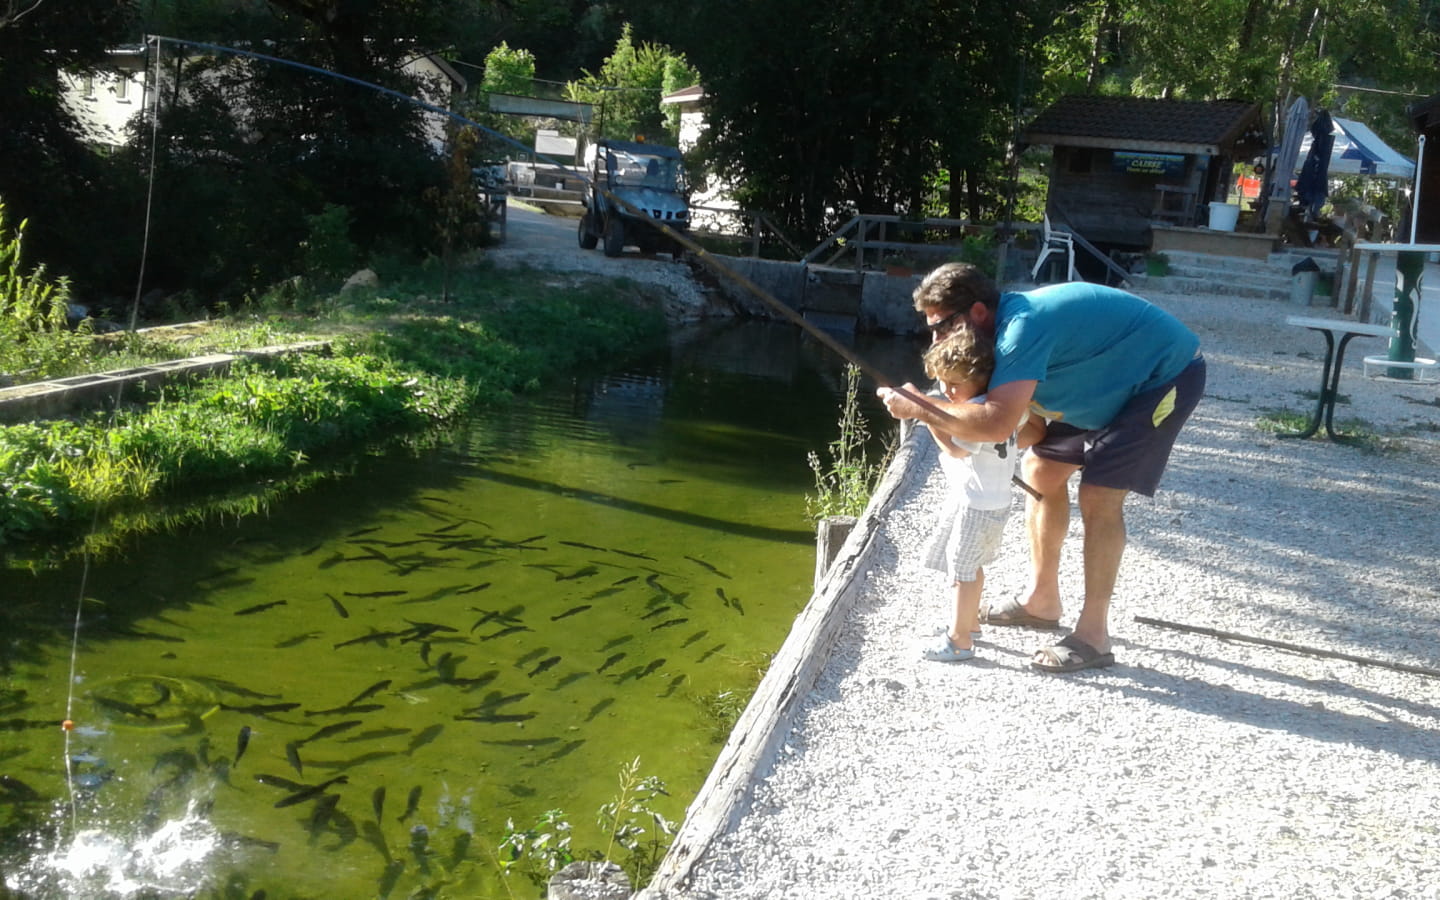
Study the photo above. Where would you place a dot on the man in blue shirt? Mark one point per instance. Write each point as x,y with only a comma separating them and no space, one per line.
1116,378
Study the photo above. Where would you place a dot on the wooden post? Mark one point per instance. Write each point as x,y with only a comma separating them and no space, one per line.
830,535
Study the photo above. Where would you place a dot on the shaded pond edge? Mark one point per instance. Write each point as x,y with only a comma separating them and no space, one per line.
727,792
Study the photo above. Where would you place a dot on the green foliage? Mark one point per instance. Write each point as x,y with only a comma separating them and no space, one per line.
844,486
35,340
536,852
415,365
629,85
328,251
508,71
630,822
635,825
840,108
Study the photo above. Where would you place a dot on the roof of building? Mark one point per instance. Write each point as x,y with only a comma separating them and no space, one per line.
1208,127
693,94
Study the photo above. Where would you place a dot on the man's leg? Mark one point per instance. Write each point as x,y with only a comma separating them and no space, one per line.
1102,510
1046,522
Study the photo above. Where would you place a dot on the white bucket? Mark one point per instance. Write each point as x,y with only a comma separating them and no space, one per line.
1223,216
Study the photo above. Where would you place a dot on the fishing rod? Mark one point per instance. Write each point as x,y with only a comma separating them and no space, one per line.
683,240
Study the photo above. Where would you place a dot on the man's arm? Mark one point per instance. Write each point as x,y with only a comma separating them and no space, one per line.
989,422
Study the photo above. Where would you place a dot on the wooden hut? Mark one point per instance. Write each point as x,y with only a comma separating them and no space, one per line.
1120,165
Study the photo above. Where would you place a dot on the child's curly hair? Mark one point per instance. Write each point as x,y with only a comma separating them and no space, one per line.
965,355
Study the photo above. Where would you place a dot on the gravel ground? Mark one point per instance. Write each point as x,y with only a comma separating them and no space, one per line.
1196,767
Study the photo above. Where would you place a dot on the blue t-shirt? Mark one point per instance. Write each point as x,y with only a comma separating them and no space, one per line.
1090,348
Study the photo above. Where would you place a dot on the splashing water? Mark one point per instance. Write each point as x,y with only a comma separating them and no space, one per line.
169,861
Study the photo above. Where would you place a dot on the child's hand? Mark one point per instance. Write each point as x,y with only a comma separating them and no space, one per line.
897,404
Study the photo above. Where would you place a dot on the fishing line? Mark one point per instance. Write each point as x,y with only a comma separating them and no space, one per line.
684,240
68,724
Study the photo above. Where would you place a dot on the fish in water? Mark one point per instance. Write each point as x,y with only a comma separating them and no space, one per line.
376,734
412,802
659,610
424,737
705,565
653,665
582,546
297,640
17,790
603,593
369,595
310,792
473,588
330,730
579,573
363,531
371,691
377,801
374,637
496,718
351,709
697,636
241,742
626,580
610,660
339,607
570,612
120,706
616,642
292,755
669,622
261,607
284,784
598,708
261,709
631,554
504,632
545,664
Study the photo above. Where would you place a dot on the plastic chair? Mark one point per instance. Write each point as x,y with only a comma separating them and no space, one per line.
1056,242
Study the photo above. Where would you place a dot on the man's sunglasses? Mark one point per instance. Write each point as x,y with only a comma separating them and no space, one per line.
944,324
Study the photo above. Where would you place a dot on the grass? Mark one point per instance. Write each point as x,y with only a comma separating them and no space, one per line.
844,483
403,365
1354,432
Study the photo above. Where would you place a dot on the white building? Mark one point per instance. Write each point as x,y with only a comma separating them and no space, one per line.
106,101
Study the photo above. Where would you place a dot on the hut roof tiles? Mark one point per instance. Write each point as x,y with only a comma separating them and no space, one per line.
1207,127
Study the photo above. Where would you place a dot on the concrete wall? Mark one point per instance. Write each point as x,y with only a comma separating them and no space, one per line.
837,299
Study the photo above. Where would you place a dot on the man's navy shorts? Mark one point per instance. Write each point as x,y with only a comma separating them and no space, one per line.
1131,452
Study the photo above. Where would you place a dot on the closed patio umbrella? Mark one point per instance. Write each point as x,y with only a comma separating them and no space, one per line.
1312,187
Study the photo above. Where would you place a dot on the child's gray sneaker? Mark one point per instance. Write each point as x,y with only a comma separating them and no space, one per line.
941,650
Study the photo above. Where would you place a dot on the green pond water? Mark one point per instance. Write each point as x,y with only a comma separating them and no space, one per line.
417,654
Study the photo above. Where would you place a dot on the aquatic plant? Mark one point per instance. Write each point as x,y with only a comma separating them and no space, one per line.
630,822
539,851
844,486
635,825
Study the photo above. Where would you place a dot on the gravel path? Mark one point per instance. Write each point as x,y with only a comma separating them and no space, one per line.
1196,767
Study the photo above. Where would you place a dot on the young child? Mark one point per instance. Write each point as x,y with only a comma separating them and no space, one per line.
972,520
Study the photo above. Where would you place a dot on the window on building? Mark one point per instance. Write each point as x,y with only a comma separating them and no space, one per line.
122,86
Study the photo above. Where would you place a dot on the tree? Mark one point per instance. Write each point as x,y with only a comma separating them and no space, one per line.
823,111
48,176
627,89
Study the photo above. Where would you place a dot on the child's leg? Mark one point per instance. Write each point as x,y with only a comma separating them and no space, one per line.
967,610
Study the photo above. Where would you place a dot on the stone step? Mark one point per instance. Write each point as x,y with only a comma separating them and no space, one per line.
1227,287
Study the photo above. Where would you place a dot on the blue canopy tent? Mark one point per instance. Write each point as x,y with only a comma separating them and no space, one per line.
1358,151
